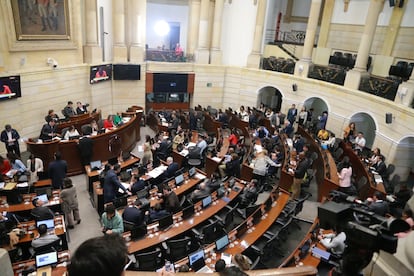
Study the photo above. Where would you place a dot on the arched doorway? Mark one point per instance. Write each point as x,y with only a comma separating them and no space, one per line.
318,105
365,123
404,162
270,97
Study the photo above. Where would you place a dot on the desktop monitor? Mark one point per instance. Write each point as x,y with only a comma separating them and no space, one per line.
222,242
45,259
192,172
50,223
196,260
241,229
207,201
165,222
95,165
179,179
188,211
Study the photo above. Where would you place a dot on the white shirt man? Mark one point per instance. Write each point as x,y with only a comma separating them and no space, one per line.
360,142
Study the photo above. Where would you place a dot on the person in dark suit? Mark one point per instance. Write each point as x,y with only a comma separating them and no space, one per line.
68,111
57,171
49,131
233,166
380,166
377,204
170,200
85,145
193,120
200,193
292,113
136,184
41,212
133,214
171,169
112,184
10,137
81,109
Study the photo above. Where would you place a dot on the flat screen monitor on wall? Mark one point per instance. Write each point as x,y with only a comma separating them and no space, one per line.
10,88
169,82
127,71
100,73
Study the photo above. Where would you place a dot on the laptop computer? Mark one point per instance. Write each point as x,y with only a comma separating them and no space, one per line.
206,201
50,223
46,259
165,222
43,197
179,179
95,165
196,261
188,211
192,172
222,242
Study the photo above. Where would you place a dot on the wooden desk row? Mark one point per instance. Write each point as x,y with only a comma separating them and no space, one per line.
105,146
31,231
63,256
184,225
92,176
188,185
26,204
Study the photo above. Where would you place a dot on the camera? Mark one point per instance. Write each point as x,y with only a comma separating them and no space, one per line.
55,64
52,62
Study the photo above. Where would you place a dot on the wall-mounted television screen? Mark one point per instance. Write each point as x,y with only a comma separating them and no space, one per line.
127,72
101,73
10,87
169,82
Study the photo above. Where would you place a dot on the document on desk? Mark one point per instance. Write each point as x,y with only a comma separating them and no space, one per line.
126,186
226,257
157,171
184,152
216,159
191,144
22,185
199,176
378,178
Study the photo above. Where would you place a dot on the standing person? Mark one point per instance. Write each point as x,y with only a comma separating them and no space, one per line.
68,111
359,143
303,116
70,203
34,167
345,175
350,132
85,146
322,121
112,184
49,131
57,171
292,113
299,174
10,137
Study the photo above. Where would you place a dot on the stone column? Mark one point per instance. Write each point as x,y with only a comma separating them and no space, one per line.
118,17
322,51
92,53
405,93
353,77
253,60
203,53
194,23
216,53
302,66
138,27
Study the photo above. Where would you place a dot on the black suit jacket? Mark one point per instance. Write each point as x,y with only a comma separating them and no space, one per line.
57,171
381,168
171,169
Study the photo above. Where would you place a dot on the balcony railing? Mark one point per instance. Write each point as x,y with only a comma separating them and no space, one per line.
381,87
166,56
327,73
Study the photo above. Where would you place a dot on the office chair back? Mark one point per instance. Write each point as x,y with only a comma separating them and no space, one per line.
56,245
178,249
149,261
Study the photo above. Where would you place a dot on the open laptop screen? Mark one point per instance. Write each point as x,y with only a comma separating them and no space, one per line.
50,223
196,259
222,242
179,179
206,201
96,165
45,259
43,198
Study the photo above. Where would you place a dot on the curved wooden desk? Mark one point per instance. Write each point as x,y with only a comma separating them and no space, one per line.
79,120
159,237
128,134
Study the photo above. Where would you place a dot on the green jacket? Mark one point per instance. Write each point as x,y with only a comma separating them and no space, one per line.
115,224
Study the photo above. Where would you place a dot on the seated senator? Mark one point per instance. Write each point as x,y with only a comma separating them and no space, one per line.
44,237
41,212
157,212
71,132
111,221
